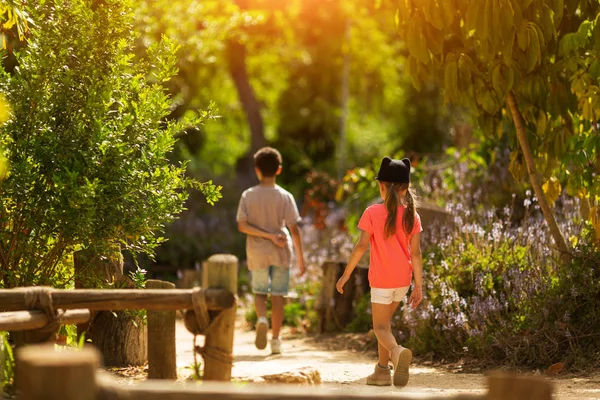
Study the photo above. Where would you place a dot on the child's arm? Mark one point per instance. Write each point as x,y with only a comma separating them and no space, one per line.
417,262
278,239
297,239
359,250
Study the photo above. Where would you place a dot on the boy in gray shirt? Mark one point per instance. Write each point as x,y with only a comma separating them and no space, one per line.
263,213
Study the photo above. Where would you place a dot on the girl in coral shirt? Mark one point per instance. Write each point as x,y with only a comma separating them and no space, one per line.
393,231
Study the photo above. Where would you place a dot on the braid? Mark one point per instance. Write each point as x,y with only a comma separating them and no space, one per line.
391,205
409,214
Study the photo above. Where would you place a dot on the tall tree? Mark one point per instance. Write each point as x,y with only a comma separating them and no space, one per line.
517,58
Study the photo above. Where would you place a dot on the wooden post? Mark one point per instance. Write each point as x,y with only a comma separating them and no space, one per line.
509,386
220,271
45,374
161,338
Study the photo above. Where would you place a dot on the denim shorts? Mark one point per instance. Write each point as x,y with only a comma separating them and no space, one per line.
273,280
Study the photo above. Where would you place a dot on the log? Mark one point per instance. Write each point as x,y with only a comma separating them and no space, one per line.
46,374
220,271
118,299
162,363
34,319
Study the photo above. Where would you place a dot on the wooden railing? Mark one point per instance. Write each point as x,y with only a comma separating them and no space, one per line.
50,375
210,311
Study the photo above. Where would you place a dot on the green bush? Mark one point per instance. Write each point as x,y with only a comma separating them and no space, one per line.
87,141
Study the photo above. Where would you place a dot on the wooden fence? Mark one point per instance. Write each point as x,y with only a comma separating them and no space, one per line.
50,375
210,311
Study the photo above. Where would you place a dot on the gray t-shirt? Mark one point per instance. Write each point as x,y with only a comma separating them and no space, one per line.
271,209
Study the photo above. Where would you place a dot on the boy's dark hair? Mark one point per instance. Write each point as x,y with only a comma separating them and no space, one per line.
267,160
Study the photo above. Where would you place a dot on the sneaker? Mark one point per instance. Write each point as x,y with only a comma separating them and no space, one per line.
401,358
262,326
380,377
275,346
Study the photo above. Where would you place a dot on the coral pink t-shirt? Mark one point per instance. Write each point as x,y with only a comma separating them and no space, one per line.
390,264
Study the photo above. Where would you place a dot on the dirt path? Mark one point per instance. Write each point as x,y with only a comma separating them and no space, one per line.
348,370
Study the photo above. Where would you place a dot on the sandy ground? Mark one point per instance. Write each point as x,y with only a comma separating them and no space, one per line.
347,370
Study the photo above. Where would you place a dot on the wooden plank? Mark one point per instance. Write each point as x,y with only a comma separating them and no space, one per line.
118,299
154,390
34,319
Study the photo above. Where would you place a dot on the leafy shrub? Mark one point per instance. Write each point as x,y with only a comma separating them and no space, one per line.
495,291
87,142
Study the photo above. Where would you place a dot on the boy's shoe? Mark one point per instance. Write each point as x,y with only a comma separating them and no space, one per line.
262,326
380,377
275,346
401,358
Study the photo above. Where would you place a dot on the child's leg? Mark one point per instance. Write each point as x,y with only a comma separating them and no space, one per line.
280,282
260,305
260,287
276,315
382,317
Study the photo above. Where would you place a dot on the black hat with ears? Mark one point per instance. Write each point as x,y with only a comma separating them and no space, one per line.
395,171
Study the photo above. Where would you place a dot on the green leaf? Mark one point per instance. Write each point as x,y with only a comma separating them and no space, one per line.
594,69
435,39
517,12
416,42
534,51
472,15
433,13
488,21
488,102
558,6
506,20
547,22
523,36
596,34
509,44
448,12
541,124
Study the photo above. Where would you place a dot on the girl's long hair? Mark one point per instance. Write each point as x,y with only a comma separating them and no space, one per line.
391,205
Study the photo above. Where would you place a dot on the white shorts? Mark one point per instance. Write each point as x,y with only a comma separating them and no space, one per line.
388,296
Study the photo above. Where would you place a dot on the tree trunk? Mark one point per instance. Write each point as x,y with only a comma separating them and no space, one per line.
337,310
121,337
561,243
236,54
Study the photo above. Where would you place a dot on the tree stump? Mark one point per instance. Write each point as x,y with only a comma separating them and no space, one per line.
337,310
161,339
121,337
